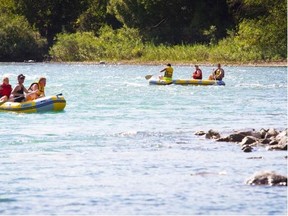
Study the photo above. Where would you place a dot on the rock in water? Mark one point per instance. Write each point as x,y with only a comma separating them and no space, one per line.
267,178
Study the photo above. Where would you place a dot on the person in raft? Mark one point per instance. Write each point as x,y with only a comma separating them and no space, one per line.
168,73
37,89
198,73
5,90
17,94
218,74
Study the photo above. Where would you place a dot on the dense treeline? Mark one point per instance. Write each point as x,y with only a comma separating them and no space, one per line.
143,30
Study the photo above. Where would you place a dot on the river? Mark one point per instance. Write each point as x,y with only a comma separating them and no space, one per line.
122,146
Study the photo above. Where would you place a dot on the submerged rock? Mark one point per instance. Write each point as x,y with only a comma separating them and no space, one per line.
247,148
211,134
267,178
200,133
260,157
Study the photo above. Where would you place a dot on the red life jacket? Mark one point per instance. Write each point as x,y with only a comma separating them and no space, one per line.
197,74
6,90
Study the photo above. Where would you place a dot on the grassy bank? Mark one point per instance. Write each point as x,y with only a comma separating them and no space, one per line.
126,45
179,63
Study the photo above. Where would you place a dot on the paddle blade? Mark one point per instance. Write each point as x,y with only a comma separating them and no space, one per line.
147,77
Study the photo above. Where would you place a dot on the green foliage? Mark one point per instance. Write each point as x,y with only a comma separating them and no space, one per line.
53,16
146,30
210,33
7,6
177,53
18,41
124,44
262,38
95,17
173,22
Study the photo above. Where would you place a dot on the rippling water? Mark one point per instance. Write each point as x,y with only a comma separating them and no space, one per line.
124,147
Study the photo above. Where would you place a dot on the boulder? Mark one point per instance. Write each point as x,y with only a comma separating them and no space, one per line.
246,133
277,147
236,137
283,141
282,136
211,134
263,133
256,135
200,133
273,141
267,178
223,139
248,140
247,148
272,132
264,141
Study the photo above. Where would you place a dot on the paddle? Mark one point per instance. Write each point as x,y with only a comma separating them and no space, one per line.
147,77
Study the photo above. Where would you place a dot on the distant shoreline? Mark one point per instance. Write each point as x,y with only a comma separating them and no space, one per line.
133,62
258,64
164,62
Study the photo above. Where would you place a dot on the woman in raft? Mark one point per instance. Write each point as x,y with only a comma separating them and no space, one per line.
37,89
17,94
5,90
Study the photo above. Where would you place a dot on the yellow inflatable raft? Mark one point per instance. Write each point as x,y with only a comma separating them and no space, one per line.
187,82
198,82
44,104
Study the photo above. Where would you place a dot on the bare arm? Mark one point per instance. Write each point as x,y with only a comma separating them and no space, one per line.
34,87
14,91
25,90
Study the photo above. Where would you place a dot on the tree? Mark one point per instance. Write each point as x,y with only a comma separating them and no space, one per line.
7,6
178,21
262,27
18,41
53,16
96,16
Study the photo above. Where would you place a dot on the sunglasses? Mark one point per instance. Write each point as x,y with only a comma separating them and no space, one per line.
22,78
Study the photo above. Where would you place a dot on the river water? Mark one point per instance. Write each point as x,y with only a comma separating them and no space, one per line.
124,147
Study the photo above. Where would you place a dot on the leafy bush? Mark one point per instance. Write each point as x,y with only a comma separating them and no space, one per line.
111,44
251,43
18,41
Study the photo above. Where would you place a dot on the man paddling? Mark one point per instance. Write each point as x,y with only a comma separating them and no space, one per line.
168,73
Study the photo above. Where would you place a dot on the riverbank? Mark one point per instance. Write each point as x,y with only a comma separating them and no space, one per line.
136,62
250,64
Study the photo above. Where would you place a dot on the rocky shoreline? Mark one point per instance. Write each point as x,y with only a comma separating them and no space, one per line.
271,139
